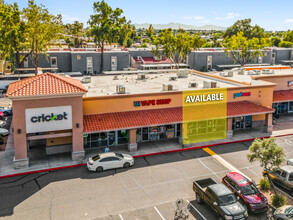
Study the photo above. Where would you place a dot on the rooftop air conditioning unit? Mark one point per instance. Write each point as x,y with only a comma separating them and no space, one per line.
182,73
192,85
206,84
230,73
120,89
167,87
257,72
172,78
265,71
222,74
241,71
115,78
141,76
86,79
213,84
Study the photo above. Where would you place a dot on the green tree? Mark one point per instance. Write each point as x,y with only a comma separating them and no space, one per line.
12,34
288,36
286,44
268,153
150,32
197,41
105,25
244,50
42,29
75,29
275,41
124,34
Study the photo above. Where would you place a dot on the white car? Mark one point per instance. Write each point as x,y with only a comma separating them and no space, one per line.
4,132
110,160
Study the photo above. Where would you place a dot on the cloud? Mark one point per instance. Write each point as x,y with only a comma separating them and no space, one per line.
68,19
289,20
193,18
205,21
230,15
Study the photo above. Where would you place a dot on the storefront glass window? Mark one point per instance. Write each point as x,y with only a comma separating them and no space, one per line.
178,130
123,137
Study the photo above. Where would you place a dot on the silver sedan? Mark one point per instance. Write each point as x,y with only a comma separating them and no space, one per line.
284,212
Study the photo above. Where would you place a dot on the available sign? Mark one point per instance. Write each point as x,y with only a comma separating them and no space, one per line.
48,119
151,102
204,98
240,94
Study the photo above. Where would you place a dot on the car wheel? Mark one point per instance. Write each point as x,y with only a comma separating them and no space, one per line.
99,169
198,198
126,165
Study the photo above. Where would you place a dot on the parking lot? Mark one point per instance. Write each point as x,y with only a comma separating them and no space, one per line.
148,190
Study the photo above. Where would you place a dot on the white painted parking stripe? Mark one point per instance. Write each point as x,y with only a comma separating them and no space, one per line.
159,213
121,217
196,210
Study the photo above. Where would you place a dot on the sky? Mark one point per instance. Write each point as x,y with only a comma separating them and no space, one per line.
269,14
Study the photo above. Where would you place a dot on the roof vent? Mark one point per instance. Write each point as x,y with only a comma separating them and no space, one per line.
192,85
230,73
241,71
172,78
141,76
115,77
167,87
120,89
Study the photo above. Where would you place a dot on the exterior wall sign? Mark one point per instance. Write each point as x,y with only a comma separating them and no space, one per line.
152,102
48,119
204,98
240,94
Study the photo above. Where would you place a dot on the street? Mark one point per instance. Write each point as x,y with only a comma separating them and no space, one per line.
148,190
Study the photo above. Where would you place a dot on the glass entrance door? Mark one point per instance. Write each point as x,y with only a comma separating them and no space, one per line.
290,109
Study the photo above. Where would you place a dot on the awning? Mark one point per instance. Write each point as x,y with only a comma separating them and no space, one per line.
156,117
283,96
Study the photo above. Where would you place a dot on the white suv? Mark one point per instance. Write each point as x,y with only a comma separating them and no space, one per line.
109,160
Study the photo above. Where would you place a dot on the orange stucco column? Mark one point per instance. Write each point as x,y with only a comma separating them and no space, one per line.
78,152
229,127
132,145
268,123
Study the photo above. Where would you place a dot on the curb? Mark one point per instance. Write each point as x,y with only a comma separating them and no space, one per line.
137,156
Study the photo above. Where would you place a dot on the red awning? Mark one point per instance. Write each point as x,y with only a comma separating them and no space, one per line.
152,117
283,96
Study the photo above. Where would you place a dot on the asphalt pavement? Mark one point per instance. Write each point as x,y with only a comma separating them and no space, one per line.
148,190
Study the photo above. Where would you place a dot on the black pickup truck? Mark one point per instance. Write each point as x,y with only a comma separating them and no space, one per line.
219,197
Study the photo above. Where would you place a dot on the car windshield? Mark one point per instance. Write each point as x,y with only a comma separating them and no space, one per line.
289,210
119,155
227,199
95,158
249,189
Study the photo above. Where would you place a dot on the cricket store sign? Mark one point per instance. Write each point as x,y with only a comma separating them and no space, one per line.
152,102
48,119
240,94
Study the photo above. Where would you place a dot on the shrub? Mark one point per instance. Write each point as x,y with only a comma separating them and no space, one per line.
278,200
144,46
286,44
265,184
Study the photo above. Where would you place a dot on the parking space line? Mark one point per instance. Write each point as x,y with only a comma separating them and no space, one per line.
159,213
223,162
121,217
196,210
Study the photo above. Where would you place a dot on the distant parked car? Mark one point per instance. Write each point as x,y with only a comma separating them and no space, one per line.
249,195
2,124
110,160
1,115
4,132
284,213
6,111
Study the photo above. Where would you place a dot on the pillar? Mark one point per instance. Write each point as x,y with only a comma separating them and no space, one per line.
132,145
180,140
229,127
268,128
184,133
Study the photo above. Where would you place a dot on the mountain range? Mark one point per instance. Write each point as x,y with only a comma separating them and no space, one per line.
179,25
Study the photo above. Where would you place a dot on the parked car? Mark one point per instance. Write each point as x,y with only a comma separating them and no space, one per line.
282,176
4,132
247,191
109,160
6,111
219,198
1,115
2,124
284,213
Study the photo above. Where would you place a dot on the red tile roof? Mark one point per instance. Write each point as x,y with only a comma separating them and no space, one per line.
151,60
140,118
246,108
45,84
283,95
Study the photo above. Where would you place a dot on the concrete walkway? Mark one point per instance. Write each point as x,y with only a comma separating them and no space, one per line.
39,160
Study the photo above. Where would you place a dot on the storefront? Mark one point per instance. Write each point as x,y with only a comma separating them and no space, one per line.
242,122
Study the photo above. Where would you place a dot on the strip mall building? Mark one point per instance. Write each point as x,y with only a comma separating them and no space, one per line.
73,116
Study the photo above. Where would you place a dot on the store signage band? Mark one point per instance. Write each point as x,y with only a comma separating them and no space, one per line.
204,98
151,102
48,119
240,94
